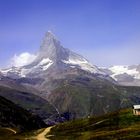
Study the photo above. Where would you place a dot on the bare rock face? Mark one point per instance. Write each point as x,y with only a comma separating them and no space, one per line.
51,48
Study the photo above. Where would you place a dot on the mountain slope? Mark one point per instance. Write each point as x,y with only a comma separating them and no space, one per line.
12,116
120,125
30,102
81,97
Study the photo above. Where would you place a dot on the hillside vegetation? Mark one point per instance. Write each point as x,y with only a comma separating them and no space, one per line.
79,97
121,125
33,103
14,119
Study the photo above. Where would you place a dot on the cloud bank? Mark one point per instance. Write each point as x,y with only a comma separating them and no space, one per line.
22,59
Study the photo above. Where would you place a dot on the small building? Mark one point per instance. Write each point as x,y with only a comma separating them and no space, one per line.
136,110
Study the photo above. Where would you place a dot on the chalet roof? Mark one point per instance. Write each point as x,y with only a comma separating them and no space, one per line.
136,106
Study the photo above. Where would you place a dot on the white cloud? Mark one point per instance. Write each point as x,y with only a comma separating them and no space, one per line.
22,59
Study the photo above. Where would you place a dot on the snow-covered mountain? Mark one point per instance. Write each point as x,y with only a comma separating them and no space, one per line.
125,75
53,61
52,54
53,64
71,84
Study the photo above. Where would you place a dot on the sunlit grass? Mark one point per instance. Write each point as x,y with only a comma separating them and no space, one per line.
122,125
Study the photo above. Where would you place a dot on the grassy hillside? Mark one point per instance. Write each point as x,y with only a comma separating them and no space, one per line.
16,118
29,101
82,96
8,135
121,125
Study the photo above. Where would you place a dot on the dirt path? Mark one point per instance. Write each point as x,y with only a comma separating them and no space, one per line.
41,136
96,123
10,129
99,122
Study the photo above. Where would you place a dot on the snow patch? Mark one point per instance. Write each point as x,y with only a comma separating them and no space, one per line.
117,70
76,61
83,64
47,66
5,71
45,63
24,72
12,70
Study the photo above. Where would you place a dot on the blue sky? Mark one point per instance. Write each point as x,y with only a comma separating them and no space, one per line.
107,32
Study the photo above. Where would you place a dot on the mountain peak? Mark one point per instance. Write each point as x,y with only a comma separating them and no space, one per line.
49,46
50,34
53,54
49,39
